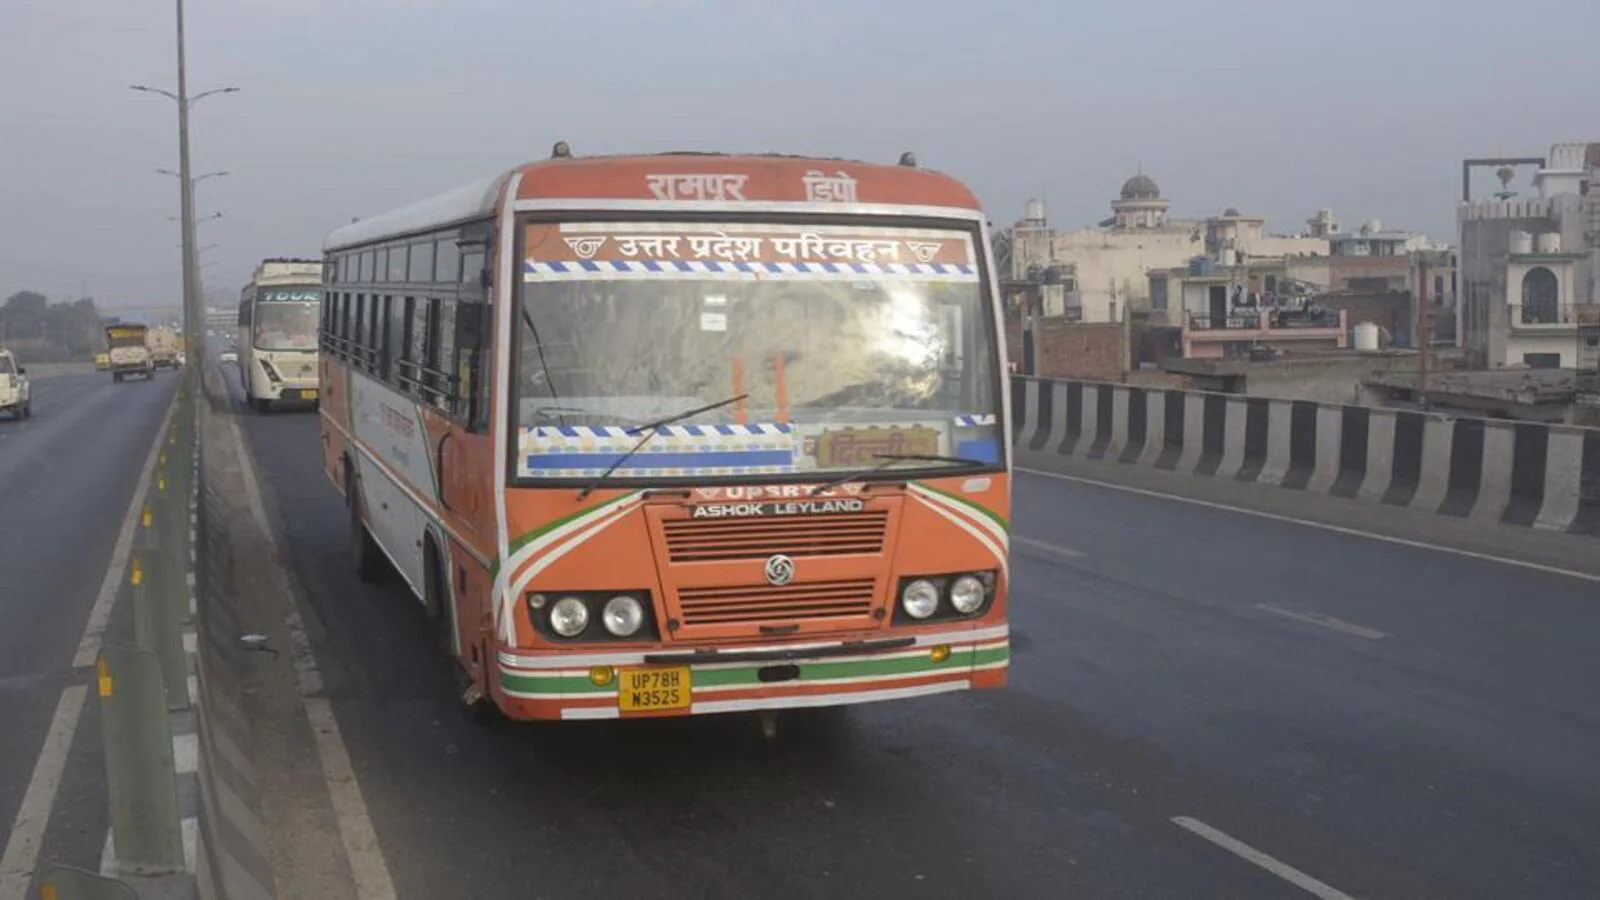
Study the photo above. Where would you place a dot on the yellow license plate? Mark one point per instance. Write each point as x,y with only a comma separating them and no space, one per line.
644,690
308,395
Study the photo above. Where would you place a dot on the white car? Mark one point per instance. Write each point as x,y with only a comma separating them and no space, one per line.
15,396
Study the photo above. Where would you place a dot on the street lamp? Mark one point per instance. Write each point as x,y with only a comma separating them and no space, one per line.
197,179
174,97
193,314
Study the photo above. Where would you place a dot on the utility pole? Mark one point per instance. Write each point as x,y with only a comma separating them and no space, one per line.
1422,328
193,308
193,303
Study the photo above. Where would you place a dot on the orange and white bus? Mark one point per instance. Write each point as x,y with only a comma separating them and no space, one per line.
680,434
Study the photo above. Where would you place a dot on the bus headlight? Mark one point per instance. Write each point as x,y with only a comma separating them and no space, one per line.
569,617
920,599
623,615
967,594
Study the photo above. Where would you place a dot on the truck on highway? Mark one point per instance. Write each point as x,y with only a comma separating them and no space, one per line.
130,351
278,314
164,347
15,395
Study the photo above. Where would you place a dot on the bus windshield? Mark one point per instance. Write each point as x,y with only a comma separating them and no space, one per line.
282,324
839,363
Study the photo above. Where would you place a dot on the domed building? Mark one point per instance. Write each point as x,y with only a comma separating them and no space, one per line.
1140,206
1098,273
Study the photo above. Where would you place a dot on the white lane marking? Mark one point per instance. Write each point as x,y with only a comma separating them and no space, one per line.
1324,526
1047,547
365,854
27,830
94,632
191,642
1244,851
185,753
188,830
1314,618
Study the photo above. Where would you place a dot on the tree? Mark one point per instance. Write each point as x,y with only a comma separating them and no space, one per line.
41,331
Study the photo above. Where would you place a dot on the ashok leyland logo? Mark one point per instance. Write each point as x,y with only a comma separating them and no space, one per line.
779,570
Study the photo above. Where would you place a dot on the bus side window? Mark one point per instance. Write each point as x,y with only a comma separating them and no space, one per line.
358,328
417,349
447,262
472,336
471,265
444,361
394,323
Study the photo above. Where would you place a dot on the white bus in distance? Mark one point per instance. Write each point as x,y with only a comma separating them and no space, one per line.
278,317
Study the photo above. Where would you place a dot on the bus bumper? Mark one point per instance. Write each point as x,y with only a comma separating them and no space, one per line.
274,390
584,685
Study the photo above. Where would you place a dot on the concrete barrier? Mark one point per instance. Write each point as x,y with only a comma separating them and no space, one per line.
1514,473
234,860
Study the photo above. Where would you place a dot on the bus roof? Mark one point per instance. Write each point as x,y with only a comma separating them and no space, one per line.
680,181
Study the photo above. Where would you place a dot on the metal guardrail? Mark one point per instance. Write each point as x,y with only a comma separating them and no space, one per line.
140,685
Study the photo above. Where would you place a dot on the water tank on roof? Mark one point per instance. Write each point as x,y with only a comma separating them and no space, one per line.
1548,242
1371,226
1200,266
1366,336
1230,257
1033,213
1521,242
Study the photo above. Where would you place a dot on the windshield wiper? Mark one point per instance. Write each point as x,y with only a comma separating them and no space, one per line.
890,459
650,432
538,345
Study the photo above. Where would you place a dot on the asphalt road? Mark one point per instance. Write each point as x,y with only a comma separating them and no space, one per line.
67,477
1189,686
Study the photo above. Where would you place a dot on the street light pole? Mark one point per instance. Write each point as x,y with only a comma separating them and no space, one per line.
193,305
193,312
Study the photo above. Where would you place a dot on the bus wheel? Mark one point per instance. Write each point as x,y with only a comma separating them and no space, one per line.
365,556
435,591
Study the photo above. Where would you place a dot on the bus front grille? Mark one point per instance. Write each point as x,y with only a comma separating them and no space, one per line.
755,604
718,540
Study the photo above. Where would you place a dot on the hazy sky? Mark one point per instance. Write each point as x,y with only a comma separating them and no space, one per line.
351,107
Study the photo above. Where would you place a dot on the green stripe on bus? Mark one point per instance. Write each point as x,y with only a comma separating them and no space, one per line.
968,503
550,526
748,675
